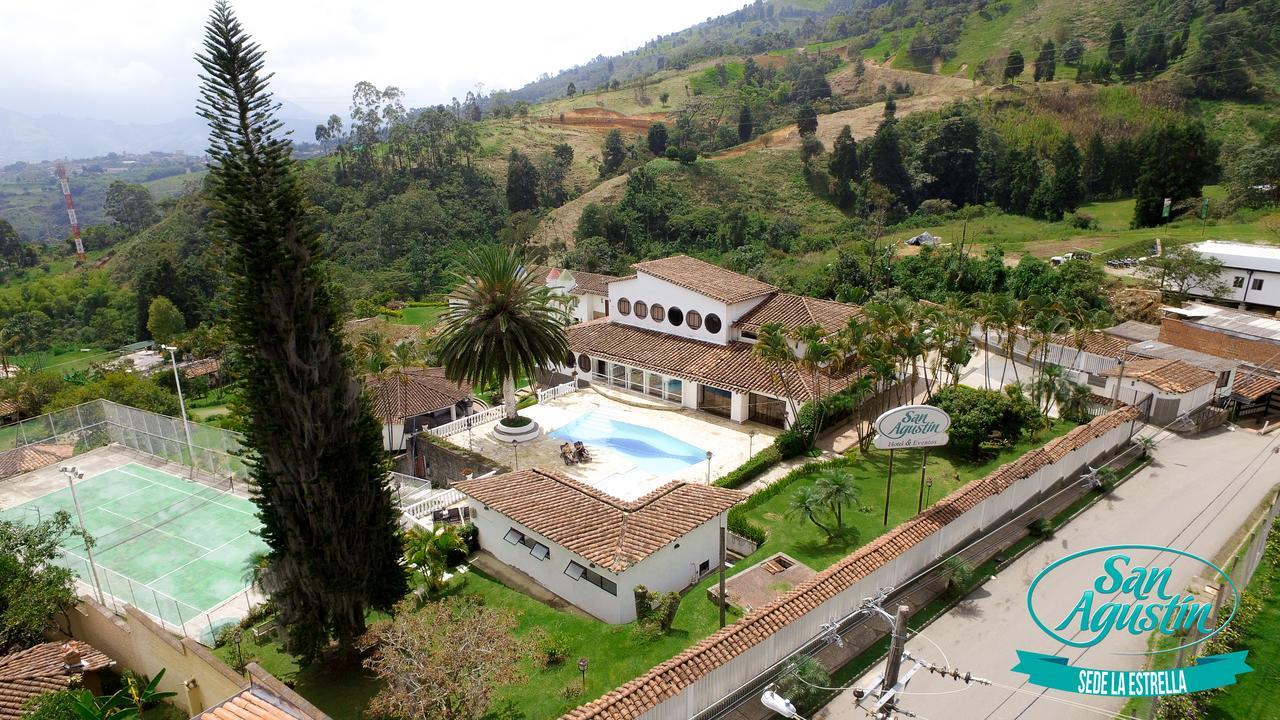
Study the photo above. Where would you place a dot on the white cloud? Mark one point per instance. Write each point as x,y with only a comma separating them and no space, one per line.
132,59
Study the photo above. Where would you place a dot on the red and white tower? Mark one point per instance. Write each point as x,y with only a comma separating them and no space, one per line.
71,210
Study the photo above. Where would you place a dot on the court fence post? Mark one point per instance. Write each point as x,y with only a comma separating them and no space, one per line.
182,624
106,576
132,595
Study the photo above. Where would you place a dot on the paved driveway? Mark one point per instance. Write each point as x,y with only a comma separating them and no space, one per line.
1195,497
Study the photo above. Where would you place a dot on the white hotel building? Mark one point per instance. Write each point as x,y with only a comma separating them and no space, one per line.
681,330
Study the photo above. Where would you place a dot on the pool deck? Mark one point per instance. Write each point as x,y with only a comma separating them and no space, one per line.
610,471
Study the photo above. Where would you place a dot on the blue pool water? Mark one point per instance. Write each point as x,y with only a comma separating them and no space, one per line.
653,451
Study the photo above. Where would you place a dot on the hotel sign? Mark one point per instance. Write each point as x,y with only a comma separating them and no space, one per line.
912,426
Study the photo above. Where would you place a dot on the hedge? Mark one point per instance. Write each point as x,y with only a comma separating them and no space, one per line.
753,468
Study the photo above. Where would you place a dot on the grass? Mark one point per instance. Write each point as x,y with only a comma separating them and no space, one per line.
804,541
420,315
63,361
1253,695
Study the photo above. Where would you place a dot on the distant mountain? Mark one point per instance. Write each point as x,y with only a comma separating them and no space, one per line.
47,137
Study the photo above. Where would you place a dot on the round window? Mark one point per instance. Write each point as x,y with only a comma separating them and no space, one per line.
693,319
676,316
642,310
657,313
624,306
584,363
713,323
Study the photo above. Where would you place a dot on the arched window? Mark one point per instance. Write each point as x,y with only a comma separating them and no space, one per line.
657,313
693,319
713,323
584,363
624,306
642,309
676,316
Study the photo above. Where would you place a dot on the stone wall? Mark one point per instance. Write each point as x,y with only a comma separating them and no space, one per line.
446,463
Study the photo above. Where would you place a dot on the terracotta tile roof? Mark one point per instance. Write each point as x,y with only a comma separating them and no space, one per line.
1173,376
732,366
201,368
33,457
792,311
39,669
668,679
611,533
589,283
399,395
8,407
1097,343
702,277
253,703
1253,387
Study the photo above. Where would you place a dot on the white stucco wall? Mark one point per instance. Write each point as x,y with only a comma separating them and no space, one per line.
1269,295
1187,402
652,290
670,568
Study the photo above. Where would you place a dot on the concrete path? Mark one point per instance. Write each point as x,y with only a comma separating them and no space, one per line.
1196,496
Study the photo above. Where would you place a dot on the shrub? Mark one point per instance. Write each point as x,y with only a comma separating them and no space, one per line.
959,574
552,652
470,537
934,207
978,415
1041,528
1083,221
740,524
572,690
753,468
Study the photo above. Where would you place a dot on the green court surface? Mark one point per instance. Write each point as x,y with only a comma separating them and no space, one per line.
168,546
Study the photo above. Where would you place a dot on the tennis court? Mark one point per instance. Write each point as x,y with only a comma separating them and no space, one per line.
168,546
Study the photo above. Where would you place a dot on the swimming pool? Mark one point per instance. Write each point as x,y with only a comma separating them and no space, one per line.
653,451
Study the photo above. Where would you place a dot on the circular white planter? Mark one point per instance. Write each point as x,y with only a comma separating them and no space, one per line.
521,434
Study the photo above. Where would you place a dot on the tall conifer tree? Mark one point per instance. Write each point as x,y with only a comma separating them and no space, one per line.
314,448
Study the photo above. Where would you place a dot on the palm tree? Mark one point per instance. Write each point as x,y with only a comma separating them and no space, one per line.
1147,443
813,354
1073,402
808,502
1048,387
504,322
987,318
772,347
837,488
1008,316
428,552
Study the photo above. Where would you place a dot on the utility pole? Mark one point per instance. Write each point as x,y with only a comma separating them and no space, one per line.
897,643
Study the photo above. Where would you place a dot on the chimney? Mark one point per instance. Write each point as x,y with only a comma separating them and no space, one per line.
72,663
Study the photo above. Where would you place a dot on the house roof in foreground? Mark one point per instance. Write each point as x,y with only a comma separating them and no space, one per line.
669,678
1228,320
1165,351
1174,376
1134,330
40,669
1095,342
33,457
399,395
792,311
731,367
1254,386
612,533
587,283
704,278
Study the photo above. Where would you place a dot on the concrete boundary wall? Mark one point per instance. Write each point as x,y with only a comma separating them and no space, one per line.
714,668
137,643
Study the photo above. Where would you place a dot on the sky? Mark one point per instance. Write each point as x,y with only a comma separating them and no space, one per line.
131,60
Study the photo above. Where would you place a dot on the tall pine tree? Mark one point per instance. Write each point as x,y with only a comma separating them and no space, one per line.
1097,182
522,182
314,448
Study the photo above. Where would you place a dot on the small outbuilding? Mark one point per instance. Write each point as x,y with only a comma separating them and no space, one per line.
592,549
48,667
1176,387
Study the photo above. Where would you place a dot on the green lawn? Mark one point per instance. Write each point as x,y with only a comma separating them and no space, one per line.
805,542
1253,695
64,361
422,316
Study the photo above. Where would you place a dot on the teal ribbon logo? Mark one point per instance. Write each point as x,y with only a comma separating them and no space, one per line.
1056,672
1128,597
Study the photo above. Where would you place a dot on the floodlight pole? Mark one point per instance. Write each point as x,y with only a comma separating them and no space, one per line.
73,474
182,404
